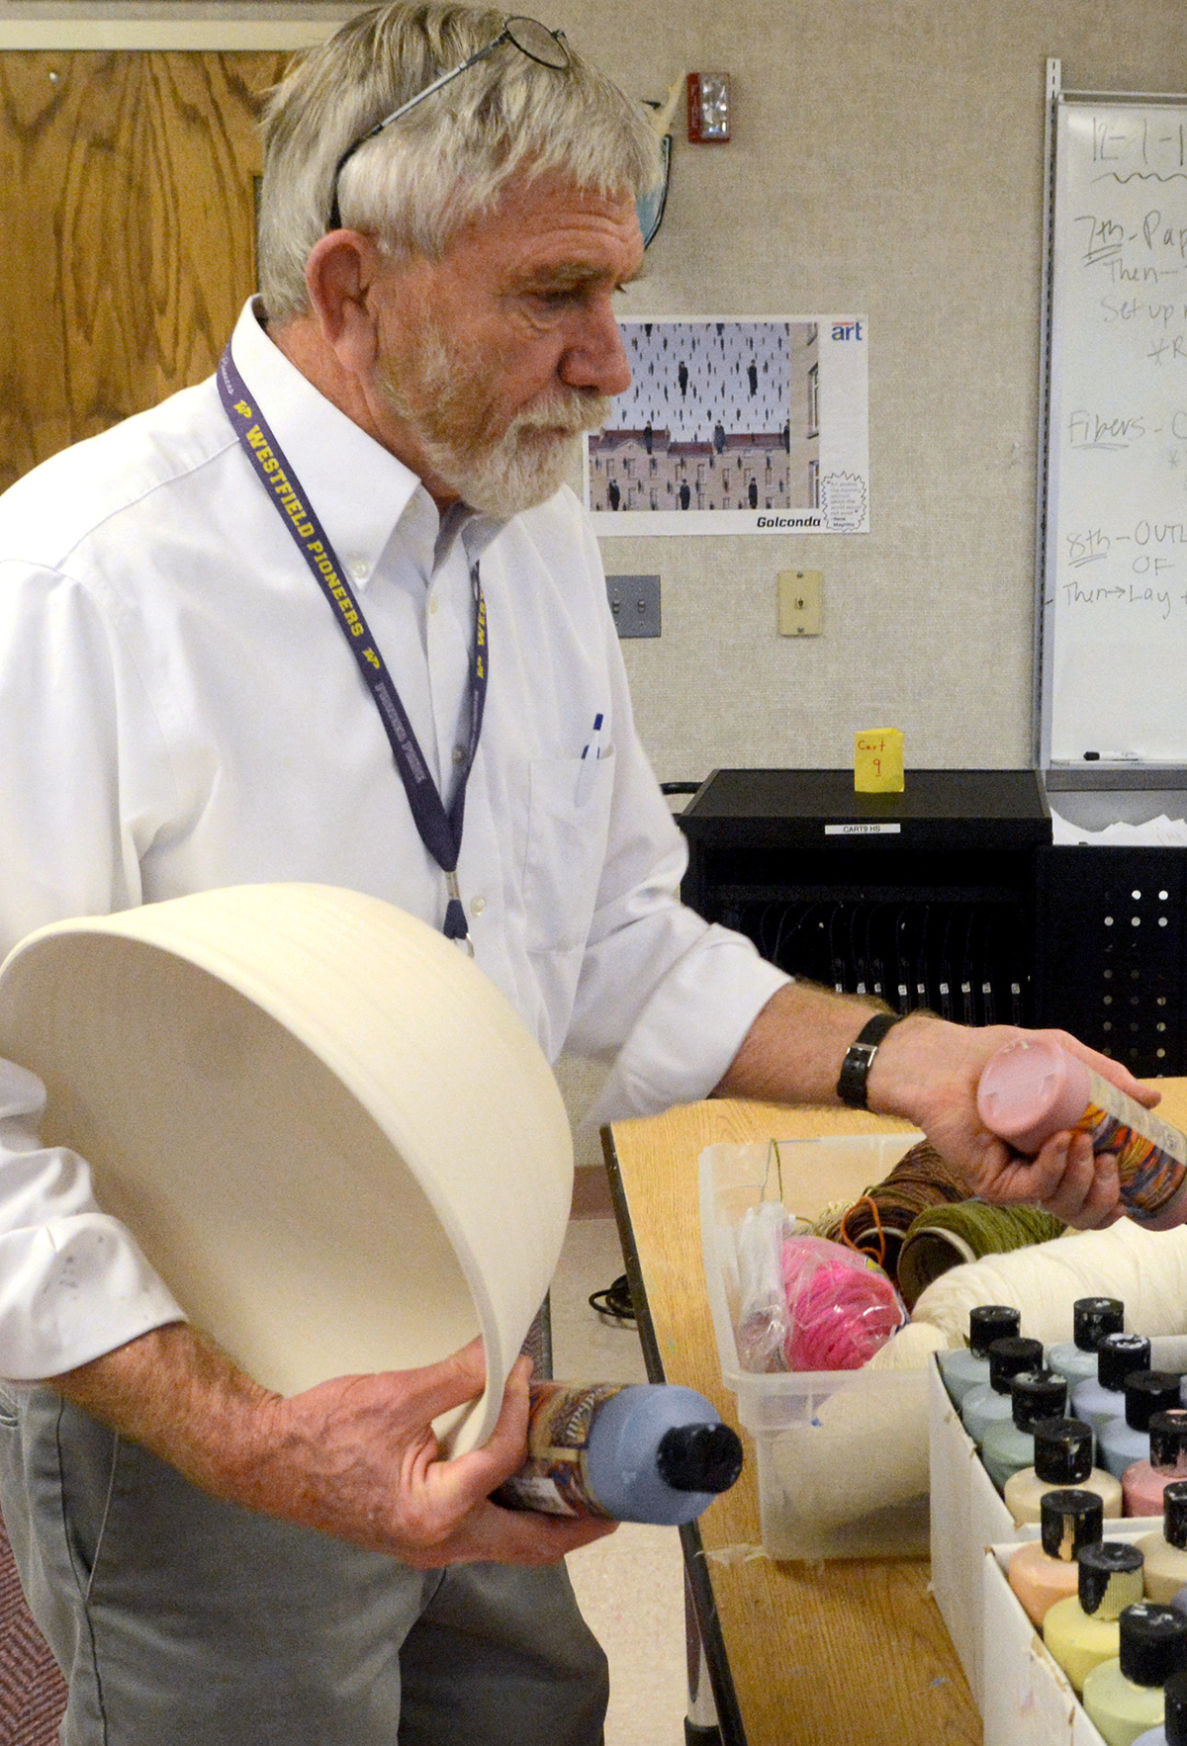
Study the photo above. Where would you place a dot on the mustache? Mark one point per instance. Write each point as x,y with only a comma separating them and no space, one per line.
572,413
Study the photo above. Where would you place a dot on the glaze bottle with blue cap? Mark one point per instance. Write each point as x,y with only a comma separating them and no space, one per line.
1173,1731
991,1400
640,1452
1092,1319
1008,1445
968,1369
1125,1696
1121,1442
1102,1399
1063,1458
1083,1630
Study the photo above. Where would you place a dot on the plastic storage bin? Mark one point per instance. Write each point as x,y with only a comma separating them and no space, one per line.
842,1456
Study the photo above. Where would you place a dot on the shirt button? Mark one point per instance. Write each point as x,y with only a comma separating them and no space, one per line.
434,605
360,569
459,754
478,905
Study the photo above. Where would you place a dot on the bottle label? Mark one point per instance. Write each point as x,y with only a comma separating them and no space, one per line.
555,1479
1151,1155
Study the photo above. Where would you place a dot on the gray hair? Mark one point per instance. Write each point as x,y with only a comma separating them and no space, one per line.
447,161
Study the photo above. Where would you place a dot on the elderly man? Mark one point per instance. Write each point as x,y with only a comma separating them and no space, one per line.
448,213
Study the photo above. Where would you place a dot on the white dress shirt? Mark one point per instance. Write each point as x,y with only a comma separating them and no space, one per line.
178,710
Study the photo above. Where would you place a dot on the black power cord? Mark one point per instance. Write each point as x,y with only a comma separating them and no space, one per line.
614,1301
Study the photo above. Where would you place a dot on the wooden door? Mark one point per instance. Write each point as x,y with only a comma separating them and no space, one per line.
127,232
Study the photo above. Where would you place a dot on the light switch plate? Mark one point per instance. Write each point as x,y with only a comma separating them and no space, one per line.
634,601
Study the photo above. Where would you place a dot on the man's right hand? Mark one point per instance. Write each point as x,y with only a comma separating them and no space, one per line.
355,1457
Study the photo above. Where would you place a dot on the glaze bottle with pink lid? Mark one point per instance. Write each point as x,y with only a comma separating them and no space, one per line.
1033,1088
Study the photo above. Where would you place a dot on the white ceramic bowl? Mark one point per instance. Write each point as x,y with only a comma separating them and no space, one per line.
331,1135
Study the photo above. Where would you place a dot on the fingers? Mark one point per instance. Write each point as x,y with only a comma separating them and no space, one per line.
526,1537
1076,1185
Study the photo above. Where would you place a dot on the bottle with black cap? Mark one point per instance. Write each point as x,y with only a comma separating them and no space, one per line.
1009,1444
969,1369
1103,1398
640,1452
991,1400
1126,1695
1092,1319
1084,1630
1121,1442
1173,1731
1063,1457
1165,1553
1144,1484
1045,1570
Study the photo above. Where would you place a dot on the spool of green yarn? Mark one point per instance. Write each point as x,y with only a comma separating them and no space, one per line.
944,1236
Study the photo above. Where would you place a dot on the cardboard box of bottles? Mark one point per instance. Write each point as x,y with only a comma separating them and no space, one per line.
968,1514
1028,1699
841,1456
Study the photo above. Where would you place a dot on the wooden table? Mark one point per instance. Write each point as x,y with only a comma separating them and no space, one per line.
799,1655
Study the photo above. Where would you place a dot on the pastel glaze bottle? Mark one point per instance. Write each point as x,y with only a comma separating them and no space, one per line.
1173,1731
1092,1319
1009,1444
1165,1553
1103,1398
1121,1442
968,1369
1083,1630
1045,1570
1063,1457
1144,1484
1123,1697
1033,1088
638,1452
991,1400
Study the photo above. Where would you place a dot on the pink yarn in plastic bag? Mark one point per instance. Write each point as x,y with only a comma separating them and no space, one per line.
843,1307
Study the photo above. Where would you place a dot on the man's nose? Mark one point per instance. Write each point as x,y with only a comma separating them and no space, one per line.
595,357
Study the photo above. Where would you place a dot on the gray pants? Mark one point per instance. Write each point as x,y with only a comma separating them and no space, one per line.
177,1619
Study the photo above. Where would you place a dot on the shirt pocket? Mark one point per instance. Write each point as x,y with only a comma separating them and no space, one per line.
568,823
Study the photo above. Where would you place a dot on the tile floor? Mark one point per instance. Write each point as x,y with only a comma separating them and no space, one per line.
630,1585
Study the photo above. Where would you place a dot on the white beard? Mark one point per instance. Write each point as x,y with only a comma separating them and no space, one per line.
497,473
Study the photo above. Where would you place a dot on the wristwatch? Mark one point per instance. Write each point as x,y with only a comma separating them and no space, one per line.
859,1058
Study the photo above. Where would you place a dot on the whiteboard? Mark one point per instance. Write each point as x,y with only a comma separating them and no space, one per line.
1113,502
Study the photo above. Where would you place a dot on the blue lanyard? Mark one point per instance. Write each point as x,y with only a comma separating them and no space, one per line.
440,830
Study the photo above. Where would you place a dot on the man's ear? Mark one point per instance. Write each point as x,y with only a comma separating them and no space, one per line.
338,275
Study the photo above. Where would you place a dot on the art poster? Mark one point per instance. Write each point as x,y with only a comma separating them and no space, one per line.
734,426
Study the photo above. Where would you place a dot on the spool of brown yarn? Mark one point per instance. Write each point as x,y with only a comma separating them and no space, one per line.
877,1223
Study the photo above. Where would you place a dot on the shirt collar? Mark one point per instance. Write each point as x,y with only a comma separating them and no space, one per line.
359,490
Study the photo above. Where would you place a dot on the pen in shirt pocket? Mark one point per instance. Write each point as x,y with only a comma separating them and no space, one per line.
590,753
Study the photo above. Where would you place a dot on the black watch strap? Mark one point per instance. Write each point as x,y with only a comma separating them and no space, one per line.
859,1058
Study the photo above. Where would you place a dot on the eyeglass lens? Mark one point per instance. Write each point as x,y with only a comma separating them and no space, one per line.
538,42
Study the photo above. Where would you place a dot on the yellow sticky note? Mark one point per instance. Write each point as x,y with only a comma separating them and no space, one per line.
878,761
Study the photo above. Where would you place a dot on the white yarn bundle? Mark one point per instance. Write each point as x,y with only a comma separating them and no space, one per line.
866,1436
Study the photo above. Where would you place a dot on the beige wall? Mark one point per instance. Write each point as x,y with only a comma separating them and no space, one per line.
887,158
